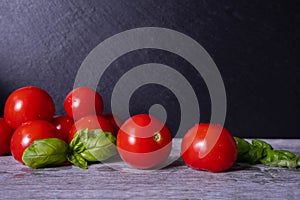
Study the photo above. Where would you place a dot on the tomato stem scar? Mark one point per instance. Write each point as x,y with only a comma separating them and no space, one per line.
157,137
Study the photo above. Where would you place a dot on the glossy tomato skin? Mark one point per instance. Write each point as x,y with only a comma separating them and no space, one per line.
63,124
83,101
29,131
90,122
144,142
199,151
26,104
5,136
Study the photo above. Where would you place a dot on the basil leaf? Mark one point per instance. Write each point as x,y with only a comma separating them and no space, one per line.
247,152
77,160
255,154
242,145
93,145
273,156
285,163
261,152
258,150
99,146
290,163
262,145
45,152
76,145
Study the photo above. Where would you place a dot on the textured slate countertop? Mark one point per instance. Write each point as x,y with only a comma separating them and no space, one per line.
175,181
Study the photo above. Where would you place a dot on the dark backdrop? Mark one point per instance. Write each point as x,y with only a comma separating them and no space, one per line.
255,45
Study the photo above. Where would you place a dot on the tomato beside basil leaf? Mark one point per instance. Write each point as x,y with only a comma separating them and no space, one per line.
26,104
209,147
5,136
91,122
91,139
91,146
38,144
63,124
144,142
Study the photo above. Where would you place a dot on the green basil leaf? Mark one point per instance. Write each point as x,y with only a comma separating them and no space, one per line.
261,152
76,144
45,152
255,154
242,145
98,145
247,153
274,156
251,153
77,160
262,145
93,145
290,163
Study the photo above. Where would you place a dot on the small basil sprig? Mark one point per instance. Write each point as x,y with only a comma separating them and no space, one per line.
45,152
261,152
90,146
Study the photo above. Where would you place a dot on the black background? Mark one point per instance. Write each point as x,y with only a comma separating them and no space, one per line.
255,45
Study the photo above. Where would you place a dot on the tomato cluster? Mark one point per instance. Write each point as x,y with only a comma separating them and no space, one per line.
29,115
84,134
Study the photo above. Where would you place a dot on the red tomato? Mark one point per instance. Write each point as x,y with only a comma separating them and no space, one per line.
5,135
83,101
26,104
212,151
114,120
28,132
91,122
144,142
63,124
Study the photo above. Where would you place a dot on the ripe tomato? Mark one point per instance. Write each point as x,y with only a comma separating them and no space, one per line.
63,124
83,101
5,135
114,120
200,151
90,122
28,132
144,142
26,104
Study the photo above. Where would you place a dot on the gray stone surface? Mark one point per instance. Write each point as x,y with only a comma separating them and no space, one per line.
173,182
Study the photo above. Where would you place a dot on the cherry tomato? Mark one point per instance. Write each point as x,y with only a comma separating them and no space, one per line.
26,104
144,142
83,101
200,150
63,124
90,122
114,120
5,135
28,132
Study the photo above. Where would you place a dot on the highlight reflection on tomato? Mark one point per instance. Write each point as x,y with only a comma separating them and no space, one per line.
63,124
144,142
